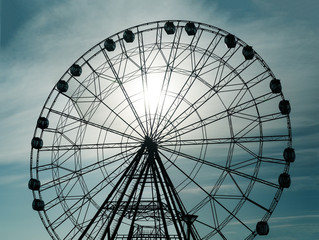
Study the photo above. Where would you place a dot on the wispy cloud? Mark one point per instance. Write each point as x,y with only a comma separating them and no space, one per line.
307,226
284,221
11,179
290,218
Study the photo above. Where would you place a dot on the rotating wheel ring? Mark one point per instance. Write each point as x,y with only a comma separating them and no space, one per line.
223,86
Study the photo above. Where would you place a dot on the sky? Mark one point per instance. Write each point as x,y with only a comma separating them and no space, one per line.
41,38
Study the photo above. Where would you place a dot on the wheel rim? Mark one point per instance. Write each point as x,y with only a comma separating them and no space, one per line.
208,109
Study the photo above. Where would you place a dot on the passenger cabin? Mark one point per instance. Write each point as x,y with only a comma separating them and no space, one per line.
190,29
275,86
128,36
34,184
262,228
230,41
42,123
169,28
37,143
284,180
248,52
38,205
109,45
289,155
76,70
284,107
62,86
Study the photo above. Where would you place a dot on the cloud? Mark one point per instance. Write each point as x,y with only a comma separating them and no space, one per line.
290,218
283,221
11,179
301,227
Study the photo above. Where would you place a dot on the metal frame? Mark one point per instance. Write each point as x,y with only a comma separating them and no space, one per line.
122,161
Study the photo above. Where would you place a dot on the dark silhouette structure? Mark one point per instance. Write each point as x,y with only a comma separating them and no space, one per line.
167,130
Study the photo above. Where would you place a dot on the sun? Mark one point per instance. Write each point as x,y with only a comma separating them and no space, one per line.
150,98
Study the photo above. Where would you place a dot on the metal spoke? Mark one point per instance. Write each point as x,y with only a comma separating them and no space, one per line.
127,97
210,196
107,129
222,168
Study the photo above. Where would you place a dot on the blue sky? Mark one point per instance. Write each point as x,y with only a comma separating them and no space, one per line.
40,39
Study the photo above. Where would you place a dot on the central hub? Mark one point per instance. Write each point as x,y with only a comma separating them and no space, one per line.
150,144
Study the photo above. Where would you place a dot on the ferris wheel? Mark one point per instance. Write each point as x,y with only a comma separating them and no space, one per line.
166,130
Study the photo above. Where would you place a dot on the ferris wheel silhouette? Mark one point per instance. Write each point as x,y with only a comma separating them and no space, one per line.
166,130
